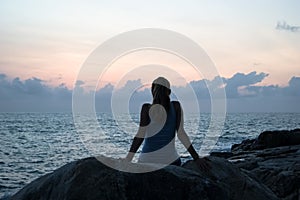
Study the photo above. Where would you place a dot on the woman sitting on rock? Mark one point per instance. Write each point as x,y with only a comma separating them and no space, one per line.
159,123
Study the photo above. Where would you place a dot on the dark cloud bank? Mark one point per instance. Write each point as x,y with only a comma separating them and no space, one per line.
34,95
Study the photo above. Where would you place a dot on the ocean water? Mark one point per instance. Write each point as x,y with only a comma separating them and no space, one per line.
33,144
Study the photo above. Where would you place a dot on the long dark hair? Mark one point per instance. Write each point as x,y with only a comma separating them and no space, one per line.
161,96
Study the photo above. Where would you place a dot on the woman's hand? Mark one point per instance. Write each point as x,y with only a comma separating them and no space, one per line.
203,164
129,157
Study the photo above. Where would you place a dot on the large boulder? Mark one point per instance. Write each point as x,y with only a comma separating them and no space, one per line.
269,139
90,179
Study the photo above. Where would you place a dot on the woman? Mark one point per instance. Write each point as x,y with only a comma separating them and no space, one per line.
159,123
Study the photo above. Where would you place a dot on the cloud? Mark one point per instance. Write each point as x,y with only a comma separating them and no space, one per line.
284,26
294,87
32,95
292,90
243,94
79,83
103,98
238,84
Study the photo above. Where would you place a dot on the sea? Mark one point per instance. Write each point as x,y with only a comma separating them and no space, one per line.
34,144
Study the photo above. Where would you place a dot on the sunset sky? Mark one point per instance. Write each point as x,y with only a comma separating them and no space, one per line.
50,40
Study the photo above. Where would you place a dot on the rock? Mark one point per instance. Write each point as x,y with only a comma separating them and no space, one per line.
90,179
246,145
278,168
237,184
222,154
273,159
269,139
267,167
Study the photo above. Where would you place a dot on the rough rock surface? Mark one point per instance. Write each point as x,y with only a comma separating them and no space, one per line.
90,179
269,139
269,160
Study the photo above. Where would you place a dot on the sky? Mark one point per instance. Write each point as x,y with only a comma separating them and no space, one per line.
43,45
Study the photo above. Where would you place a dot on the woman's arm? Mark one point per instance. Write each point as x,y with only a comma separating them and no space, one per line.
140,135
181,134
185,140
136,143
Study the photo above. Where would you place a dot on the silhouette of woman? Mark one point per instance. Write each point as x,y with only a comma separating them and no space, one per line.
159,123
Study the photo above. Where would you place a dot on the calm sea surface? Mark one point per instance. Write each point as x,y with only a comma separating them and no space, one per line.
33,144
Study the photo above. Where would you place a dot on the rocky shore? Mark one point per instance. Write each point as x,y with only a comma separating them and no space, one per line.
267,167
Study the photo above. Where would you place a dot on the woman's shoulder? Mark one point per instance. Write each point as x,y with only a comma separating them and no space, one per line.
176,104
146,106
